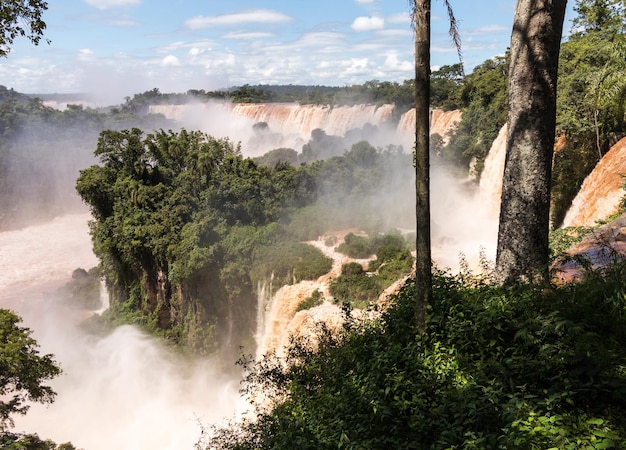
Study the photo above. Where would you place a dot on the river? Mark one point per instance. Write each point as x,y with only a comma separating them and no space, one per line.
120,391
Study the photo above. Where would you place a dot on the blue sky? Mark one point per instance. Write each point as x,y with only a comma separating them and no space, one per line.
117,48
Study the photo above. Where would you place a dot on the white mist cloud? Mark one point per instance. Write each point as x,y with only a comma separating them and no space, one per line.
368,23
248,17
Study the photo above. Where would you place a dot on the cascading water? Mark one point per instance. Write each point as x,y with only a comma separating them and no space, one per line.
123,390
601,192
291,124
490,185
104,297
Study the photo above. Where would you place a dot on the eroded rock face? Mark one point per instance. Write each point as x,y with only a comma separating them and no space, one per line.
600,248
602,191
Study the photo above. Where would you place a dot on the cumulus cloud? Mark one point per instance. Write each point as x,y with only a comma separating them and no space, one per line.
246,17
393,63
364,2
368,23
170,61
107,4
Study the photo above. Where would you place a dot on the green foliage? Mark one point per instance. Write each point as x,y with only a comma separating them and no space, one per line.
42,150
13,441
356,246
278,156
21,19
83,291
444,86
562,239
315,299
483,98
289,262
359,288
607,17
495,368
355,287
23,371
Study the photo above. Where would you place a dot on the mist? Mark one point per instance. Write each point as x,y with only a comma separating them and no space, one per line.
464,213
122,390
125,389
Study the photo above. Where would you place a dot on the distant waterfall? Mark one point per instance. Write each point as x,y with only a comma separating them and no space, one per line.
290,124
104,297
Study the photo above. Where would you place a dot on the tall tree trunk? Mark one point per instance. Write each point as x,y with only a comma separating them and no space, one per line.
523,253
423,273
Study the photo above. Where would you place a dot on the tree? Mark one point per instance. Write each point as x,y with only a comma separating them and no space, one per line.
523,252
23,371
21,18
605,16
423,264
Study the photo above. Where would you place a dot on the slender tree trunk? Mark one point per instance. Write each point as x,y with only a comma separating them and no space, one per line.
423,273
523,253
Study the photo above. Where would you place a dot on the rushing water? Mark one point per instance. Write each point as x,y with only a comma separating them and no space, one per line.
121,391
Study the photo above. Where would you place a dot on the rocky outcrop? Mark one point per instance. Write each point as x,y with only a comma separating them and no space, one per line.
600,248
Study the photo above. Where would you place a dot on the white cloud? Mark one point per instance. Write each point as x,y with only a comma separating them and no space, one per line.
399,18
393,63
170,61
107,4
368,23
85,54
321,39
364,2
253,16
195,51
252,35
124,22
173,47
488,30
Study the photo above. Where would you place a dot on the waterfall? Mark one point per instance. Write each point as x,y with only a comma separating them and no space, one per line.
291,124
280,317
104,297
490,185
601,192
264,296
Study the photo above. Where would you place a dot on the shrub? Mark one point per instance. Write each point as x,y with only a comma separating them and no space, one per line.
495,368
315,299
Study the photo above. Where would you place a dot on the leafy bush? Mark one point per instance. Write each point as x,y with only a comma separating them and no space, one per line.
14,441
497,368
355,286
316,299
393,261
290,262
356,246
83,291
